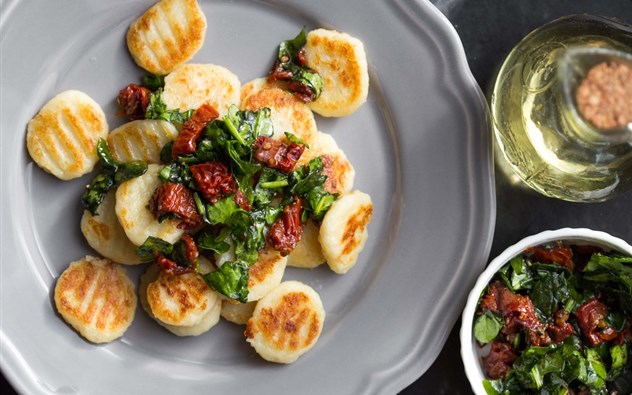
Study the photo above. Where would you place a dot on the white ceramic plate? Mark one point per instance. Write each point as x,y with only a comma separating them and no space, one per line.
420,146
471,352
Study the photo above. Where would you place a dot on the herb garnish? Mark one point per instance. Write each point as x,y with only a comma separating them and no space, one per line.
237,227
590,356
291,66
113,173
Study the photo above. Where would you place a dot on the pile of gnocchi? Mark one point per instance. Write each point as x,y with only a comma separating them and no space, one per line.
69,137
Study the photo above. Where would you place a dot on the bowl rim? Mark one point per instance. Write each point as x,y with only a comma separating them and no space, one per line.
473,369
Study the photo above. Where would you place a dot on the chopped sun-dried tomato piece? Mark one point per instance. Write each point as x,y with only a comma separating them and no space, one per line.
276,154
242,201
591,317
133,101
186,142
170,267
518,313
214,180
174,198
499,360
560,254
286,231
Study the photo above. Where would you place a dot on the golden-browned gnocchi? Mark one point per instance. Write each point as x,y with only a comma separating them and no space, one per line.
265,274
288,114
231,186
344,232
182,303
132,210
168,34
307,253
191,85
62,137
104,233
141,140
254,86
96,297
237,313
286,323
340,173
340,60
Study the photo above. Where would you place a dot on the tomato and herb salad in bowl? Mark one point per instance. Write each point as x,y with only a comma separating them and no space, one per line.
552,314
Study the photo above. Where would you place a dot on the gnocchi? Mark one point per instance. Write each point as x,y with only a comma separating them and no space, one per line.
239,184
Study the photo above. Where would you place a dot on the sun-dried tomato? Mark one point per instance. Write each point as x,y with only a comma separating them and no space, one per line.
277,154
174,198
170,267
191,253
489,301
301,91
133,101
591,318
499,360
186,142
560,329
560,254
214,180
287,230
301,57
518,313
242,201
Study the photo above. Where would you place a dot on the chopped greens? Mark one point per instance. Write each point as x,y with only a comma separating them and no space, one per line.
231,279
157,109
153,82
581,324
487,326
113,173
239,224
291,66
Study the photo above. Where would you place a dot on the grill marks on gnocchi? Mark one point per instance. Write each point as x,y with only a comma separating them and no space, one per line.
141,140
62,137
340,60
344,232
283,319
286,323
191,85
287,112
97,298
168,34
183,304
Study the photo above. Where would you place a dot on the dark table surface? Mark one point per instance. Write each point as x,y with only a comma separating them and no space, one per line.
488,30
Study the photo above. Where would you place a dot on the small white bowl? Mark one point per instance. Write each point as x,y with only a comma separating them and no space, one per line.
470,351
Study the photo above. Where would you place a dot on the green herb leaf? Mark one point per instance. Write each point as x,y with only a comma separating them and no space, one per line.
113,174
292,68
153,246
231,279
614,269
128,170
292,138
549,292
153,82
95,192
521,277
487,326
222,210
157,109
207,240
597,372
619,357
